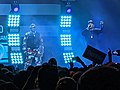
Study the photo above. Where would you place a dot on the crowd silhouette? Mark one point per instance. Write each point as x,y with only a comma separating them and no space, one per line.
50,76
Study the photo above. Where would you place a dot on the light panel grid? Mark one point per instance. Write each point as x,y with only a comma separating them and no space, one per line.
65,21
65,39
16,58
13,39
13,20
68,57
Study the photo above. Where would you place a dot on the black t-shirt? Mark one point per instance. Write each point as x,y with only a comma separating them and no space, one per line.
33,41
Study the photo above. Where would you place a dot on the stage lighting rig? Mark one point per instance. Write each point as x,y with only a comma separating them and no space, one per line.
15,7
68,8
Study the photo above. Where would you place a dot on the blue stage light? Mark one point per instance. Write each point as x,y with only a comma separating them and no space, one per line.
16,58
65,21
14,7
68,57
13,20
13,40
69,10
65,39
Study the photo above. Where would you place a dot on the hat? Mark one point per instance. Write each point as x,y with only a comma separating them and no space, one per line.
90,21
32,25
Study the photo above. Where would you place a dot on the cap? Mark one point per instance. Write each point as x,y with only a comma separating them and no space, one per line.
32,25
90,21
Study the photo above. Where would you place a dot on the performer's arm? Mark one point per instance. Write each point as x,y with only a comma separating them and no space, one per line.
24,42
101,26
80,61
97,29
41,47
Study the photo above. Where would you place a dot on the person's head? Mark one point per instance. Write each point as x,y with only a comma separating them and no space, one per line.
47,78
66,83
100,78
32,27
52,62
90,24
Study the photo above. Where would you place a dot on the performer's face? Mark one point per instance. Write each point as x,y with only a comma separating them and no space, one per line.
33,29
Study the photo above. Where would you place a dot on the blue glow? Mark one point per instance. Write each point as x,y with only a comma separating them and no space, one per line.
68,57
13,39
13,20
65,21
69,10
16,9
16,58
65,39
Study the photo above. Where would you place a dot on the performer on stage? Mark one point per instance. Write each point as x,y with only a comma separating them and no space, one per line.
91,32
33,47
91,27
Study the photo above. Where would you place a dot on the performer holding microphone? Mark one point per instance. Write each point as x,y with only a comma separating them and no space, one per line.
91,33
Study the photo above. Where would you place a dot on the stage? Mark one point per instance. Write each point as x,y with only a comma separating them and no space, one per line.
46,15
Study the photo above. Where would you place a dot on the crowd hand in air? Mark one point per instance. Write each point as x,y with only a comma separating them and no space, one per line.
80,61
71,64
